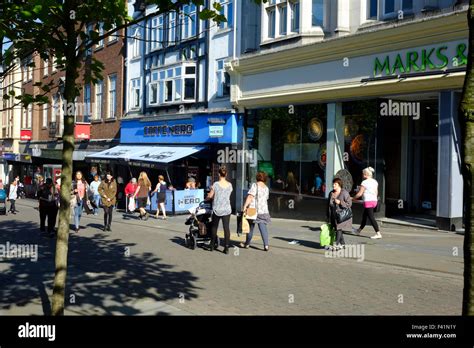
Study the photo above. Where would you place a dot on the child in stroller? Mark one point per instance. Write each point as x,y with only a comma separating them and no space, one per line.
200,225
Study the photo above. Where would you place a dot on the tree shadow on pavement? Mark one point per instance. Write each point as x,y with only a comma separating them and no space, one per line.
105,275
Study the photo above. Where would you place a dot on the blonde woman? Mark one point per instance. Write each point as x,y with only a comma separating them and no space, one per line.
369,193
141,194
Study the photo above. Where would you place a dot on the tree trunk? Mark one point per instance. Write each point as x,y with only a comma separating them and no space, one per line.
467,121
72,65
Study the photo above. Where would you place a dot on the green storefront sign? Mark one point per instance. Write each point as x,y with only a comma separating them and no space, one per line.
421,60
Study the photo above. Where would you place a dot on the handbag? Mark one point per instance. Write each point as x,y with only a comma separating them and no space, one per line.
202,228
343,215
245,225
251,213
131,204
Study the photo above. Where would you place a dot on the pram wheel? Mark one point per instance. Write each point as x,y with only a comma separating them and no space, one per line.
190,241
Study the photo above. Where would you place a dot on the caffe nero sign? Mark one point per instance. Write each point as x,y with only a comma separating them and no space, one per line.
166,130
421,60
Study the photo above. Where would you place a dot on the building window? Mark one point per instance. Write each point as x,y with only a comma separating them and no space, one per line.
283,14
135,93
271,22
157,33
389,6
188,21
87,103
29,116
98,100
89,31
318,13
112,96
44,124
136,43
54,110
227,11
172,84
153,89
54,66
223,80
295,16
23,117
45,67
172,28
101,32
373,9
113,37
407,5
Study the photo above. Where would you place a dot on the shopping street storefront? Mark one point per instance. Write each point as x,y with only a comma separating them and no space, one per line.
386,99
178,147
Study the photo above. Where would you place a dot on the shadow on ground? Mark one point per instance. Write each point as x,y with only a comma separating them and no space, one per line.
302,242
105,275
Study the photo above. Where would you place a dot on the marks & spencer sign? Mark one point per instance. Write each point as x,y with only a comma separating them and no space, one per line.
422,59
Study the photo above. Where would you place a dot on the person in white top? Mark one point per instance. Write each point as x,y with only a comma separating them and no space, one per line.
369,193
94,187
13,195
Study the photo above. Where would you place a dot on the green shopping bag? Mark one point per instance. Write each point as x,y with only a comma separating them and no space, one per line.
327,235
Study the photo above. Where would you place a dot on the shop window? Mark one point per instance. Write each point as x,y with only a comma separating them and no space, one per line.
291,149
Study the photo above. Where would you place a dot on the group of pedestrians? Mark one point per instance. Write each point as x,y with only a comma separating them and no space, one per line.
340,203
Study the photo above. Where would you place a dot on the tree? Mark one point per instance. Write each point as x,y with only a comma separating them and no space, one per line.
466,112
57,28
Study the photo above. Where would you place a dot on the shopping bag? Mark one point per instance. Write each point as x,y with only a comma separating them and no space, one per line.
245,225
131,204
326,237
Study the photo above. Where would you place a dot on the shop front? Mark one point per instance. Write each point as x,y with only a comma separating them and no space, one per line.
180,148
388,101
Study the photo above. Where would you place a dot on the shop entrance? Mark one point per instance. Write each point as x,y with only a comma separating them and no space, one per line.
423,160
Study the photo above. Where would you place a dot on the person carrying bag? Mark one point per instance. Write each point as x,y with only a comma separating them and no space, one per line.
339,212
259,214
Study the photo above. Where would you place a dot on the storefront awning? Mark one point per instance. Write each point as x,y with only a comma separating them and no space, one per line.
151,154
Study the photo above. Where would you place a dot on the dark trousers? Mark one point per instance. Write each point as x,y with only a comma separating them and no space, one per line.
369,213
340,237
108,215
215,225
12,205
48,212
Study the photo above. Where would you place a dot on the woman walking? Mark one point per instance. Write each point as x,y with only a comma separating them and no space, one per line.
369,193
339,199
13,195
48,206
161,189
108,192
221,209
141,194
257,198
80,187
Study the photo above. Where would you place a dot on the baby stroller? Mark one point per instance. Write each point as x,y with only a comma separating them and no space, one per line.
200,226
3,204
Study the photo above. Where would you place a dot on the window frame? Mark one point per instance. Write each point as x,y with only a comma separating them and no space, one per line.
112,100
135,101
227,6
323,19
98,106
221,79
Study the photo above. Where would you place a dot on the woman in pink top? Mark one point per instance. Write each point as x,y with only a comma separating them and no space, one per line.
80,189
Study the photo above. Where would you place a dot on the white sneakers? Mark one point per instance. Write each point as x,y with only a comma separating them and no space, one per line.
377,235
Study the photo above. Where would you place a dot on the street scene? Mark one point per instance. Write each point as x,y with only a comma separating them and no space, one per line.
236,158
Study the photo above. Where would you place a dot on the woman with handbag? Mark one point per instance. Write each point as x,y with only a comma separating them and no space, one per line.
80,187
141,194
48,206
369,193
108,192
256,210
221,208
340,213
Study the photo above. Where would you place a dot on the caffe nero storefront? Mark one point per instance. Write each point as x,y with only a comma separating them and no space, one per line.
179,147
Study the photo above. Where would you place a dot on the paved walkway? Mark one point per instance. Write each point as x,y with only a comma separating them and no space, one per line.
142,268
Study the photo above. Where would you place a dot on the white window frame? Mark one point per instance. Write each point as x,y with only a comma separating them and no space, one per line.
226,6
178,83
29,119
283,29
154,82
113,37
99,100
221,76
188,20
292,5
45,116
112,97
45,67
271,25
23,119
136,43
157,32
54,65
172,28
89,28
135,93
101,32
369,9
54,109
